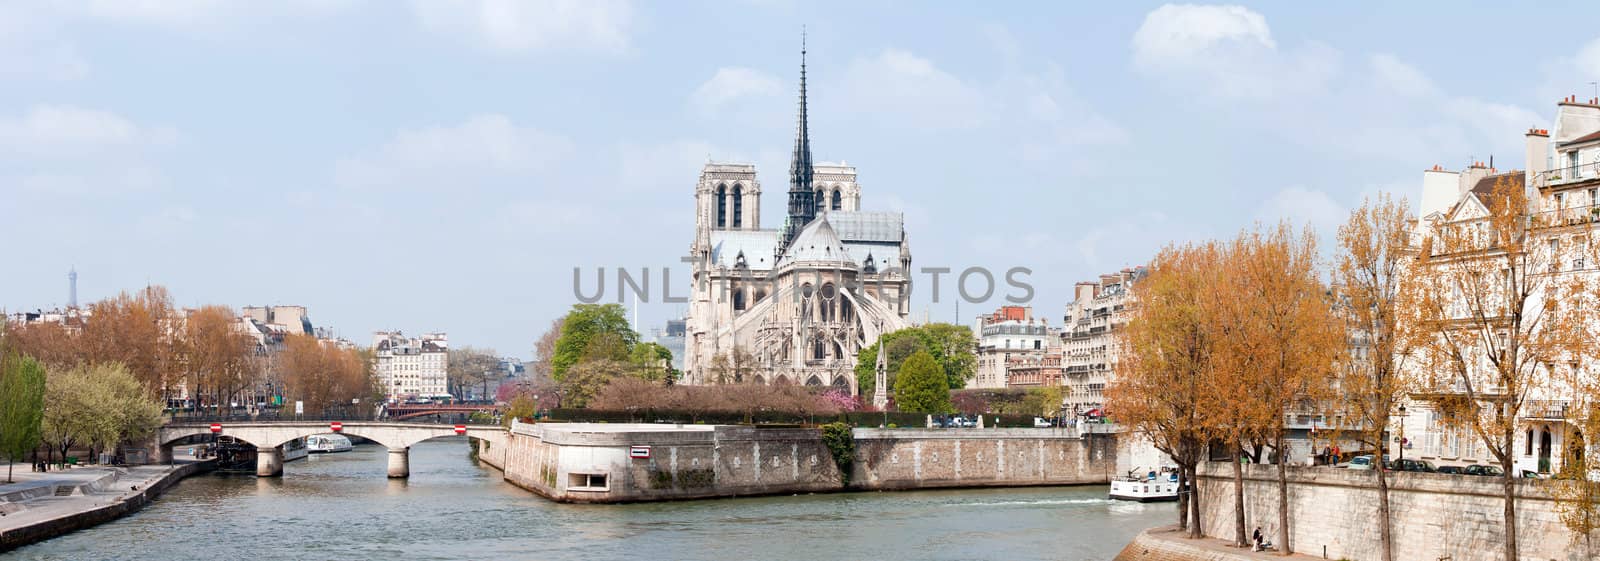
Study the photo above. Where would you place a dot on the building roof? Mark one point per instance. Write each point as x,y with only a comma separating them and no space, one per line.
1485,187
1593,136
758,246
818,242
856,226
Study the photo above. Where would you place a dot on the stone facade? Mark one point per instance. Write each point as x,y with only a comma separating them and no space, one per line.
792,304
1435,516
1089,337
411,367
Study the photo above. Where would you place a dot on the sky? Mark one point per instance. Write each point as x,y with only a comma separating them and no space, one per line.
448,165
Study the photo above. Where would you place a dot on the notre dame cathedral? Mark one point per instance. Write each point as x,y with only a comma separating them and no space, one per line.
793,304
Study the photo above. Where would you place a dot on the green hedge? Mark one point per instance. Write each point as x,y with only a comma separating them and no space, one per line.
761,418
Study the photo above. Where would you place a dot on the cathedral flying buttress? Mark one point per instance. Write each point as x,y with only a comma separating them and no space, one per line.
796,304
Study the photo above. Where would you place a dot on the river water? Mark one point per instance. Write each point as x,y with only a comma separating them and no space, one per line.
340,506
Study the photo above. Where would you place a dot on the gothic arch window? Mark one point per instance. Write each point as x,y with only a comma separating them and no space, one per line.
828,293
845,311
837,201
838,351
738,299
813,381
818,351
840,383
822,200
722,206
738,206
760,381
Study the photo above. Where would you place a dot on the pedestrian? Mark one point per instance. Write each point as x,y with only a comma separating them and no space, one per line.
1256,538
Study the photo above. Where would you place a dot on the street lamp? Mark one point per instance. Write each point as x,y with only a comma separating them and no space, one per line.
1402,433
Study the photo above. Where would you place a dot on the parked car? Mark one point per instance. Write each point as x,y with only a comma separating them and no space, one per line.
1041,422
1483,470
1453,470
1360,463
1422,466
1530,474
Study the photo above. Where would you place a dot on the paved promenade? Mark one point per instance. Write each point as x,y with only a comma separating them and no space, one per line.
41,505
1167,544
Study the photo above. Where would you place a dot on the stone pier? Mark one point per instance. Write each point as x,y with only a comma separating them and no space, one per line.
399,463
269,461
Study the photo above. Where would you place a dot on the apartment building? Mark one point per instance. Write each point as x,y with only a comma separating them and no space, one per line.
1007,332
411,367
1089,336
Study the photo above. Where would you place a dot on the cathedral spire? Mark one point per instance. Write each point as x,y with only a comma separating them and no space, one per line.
802,202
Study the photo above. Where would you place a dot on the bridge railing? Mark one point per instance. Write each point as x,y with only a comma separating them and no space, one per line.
272,415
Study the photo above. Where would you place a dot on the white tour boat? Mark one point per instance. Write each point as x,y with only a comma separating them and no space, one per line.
327,443
1150,486
294,450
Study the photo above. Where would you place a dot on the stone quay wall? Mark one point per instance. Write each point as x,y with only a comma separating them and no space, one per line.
96,513
560,461
1434,516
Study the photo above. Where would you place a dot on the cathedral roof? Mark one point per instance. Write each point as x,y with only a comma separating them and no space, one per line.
857,226
818,242
758,247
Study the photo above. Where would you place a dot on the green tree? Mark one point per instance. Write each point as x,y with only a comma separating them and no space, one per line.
521,407
585,380
582,325
956,350
100,405
652,362
951,346
922,386
22,381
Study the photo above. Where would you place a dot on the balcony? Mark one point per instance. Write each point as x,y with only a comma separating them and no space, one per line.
1568,174
1546,409
1569,216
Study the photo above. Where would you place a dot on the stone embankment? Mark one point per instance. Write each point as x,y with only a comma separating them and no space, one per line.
1435,515
1168,544
51,504
605,463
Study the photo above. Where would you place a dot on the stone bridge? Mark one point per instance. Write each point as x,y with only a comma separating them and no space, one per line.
270,436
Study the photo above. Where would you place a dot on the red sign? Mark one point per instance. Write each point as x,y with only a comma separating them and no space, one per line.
461,429
639,452
336,426
216,427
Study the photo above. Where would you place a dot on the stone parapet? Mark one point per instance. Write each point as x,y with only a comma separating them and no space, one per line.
1433,516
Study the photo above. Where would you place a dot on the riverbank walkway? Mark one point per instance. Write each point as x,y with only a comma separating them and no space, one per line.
42,505
1166,543
42,496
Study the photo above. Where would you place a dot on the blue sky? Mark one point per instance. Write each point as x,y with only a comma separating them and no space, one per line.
445,165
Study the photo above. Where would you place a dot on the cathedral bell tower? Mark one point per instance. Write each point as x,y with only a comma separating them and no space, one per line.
802,201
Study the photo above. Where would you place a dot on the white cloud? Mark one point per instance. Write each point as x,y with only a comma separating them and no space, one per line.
482,145
65,130
1228,52
897,84
518,26
731,83
1400,77
1182,31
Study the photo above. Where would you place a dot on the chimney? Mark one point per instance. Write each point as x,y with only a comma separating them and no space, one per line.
1438,190
1084,291
1470,177
1574,119
1536,158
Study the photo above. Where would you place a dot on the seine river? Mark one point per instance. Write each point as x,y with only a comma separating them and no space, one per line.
341,507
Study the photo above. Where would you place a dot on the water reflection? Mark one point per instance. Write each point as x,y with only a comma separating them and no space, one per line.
341,506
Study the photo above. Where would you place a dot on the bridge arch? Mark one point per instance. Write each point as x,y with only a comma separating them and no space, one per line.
268,437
